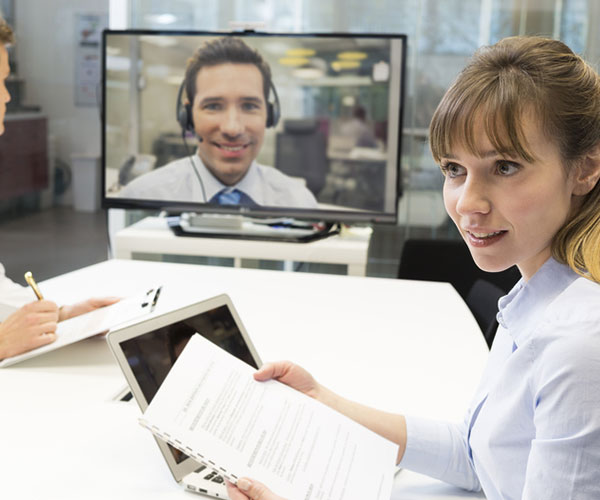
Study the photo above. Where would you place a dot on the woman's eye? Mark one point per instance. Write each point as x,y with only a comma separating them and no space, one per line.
452,170
507,168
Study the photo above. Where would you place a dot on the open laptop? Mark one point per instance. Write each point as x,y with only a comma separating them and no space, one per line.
146,351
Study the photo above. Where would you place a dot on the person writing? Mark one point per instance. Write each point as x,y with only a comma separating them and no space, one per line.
517,137
33,324
227,85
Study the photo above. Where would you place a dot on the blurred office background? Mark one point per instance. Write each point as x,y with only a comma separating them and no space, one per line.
53,122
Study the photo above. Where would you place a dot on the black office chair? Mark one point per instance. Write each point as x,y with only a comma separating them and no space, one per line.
451,261
482,299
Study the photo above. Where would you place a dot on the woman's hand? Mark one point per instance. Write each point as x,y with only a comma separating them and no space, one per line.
388,425
31,326
290,374
86,306
248,489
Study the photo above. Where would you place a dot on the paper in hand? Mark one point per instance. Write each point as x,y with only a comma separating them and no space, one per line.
212,409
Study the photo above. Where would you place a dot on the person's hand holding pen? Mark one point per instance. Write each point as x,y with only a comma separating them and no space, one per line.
31,326
34,324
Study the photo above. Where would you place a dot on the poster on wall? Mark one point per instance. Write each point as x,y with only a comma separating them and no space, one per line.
88,37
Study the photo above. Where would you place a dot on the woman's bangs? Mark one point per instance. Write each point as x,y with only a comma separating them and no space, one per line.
496,109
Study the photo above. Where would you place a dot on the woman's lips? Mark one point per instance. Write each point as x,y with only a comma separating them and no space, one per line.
484,238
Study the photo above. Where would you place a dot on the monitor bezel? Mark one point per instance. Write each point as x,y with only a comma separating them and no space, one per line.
325,215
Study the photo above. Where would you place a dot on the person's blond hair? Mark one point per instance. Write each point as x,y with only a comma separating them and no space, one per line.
500,85
6,33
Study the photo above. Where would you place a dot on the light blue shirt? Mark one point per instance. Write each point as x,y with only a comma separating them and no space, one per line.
533,429
177,181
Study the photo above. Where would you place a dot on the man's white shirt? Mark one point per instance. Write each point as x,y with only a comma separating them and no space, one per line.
178,181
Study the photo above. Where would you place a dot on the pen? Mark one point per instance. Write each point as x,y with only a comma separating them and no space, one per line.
155,299
31,282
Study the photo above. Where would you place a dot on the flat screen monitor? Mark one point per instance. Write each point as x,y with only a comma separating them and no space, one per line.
306,126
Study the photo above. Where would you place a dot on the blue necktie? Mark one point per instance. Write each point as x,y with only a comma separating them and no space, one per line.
233,197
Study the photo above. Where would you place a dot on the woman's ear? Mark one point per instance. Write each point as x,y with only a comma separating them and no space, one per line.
587,172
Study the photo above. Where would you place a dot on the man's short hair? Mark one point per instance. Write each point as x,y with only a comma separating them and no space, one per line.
6,33
222,51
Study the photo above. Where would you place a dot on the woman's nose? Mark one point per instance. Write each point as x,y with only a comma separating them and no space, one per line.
474,198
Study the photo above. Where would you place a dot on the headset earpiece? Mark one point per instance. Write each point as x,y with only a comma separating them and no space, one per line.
270,115
273,108
184,112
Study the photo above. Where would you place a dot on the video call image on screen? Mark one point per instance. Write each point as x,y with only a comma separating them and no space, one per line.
325,142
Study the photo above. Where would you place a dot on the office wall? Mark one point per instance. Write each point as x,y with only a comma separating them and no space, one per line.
46,50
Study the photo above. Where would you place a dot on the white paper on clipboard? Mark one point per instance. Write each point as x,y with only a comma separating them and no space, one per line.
101,320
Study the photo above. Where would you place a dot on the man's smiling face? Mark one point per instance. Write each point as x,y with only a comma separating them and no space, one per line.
230,115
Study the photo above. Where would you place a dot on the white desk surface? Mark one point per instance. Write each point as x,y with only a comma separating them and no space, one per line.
62,436
152,235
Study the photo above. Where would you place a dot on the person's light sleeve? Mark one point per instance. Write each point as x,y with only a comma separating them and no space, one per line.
12,294
439,450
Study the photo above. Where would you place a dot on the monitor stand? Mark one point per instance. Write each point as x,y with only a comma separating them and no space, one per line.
240,227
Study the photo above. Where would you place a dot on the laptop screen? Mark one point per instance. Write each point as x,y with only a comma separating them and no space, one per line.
151,355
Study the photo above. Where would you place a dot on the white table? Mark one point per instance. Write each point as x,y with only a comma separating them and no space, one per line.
152,236
398,345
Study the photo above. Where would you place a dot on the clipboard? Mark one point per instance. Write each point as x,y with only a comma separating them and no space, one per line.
96,322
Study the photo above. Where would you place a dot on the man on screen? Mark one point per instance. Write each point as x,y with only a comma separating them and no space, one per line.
227,86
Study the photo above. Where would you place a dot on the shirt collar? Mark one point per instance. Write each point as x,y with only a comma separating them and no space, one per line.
520,310
250,183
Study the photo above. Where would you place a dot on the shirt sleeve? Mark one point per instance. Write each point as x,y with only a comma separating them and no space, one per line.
12,294
439,450
565,454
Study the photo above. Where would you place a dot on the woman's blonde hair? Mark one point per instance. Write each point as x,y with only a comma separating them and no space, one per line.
515,76
6,33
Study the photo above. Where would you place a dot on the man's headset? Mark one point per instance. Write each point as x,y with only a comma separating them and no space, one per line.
186,121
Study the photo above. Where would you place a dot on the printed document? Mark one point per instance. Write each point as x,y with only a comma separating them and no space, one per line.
211,408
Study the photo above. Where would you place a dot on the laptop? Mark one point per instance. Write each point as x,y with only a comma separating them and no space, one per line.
147,350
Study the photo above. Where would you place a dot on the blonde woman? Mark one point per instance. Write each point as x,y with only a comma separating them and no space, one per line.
517,137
